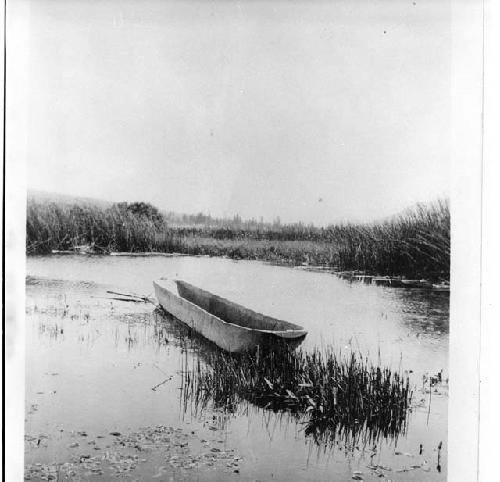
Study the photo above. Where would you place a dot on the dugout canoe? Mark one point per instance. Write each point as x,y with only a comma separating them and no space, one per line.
230,326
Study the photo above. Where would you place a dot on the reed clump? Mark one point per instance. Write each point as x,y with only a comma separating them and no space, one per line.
334,395
60,226
414,244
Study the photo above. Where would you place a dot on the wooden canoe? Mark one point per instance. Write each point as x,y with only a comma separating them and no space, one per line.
230,326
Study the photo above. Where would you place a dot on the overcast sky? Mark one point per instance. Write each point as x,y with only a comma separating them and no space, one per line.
314,111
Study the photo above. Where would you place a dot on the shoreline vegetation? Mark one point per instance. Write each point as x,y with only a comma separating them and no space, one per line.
335,396
413,245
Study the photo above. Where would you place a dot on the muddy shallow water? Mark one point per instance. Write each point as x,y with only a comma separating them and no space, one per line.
103,376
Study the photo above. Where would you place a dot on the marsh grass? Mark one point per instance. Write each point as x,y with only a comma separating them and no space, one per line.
59,226
414,244
334,397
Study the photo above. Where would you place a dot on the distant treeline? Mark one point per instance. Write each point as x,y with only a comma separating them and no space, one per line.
236,222
415,244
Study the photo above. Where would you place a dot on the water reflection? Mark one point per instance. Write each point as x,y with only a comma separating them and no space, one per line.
125,362
366,405
156,328
424,310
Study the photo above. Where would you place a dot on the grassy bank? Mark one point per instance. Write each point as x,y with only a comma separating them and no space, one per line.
415,244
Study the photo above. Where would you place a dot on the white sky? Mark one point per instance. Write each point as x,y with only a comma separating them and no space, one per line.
256,108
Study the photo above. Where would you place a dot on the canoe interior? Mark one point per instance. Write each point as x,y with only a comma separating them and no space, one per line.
232,312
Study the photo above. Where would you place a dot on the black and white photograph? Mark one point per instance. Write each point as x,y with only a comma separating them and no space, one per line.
241,224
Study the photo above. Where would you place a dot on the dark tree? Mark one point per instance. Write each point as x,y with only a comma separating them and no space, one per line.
144,210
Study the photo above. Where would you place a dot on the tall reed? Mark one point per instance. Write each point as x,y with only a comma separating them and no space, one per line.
415,244
337,396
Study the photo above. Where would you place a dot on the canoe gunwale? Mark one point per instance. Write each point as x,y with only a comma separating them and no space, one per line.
155,283
248,316
285,334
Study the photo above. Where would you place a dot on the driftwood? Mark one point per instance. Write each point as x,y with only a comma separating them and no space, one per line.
128,297
146,254
162,383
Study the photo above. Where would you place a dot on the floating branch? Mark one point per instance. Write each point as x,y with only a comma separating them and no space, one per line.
135,298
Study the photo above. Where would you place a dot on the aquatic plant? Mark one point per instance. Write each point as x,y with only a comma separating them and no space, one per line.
334,396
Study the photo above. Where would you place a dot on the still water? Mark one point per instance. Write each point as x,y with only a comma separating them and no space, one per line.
97,366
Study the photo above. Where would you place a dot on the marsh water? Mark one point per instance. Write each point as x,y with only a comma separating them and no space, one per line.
104,375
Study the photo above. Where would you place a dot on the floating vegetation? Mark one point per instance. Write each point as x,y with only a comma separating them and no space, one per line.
177,450
333,396
175,445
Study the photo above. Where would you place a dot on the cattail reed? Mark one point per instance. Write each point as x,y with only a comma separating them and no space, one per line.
415,244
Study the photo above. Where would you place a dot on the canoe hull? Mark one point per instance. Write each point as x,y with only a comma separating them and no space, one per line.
228,336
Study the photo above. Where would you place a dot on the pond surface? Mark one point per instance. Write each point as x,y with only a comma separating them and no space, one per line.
103,376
